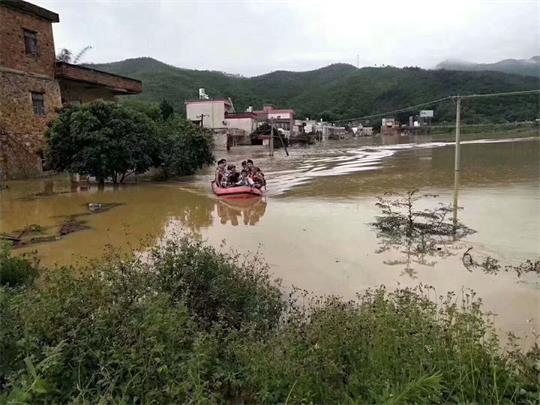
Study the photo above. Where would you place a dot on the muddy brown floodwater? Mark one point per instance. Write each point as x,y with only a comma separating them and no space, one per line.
313,226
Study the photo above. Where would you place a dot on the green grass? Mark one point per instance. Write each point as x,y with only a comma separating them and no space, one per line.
194,325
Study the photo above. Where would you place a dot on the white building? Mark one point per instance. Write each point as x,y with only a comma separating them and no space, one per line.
211,112
229,128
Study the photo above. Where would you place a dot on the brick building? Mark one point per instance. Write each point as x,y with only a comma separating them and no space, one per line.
34,86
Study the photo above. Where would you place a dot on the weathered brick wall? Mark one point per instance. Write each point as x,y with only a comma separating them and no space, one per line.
12,50
22,130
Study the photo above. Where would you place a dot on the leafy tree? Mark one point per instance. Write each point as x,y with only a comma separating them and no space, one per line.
166,109
102,140
185,147
152,110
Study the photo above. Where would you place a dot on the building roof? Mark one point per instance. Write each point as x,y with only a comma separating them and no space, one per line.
225,100
263,114
30,8
77,73
246,114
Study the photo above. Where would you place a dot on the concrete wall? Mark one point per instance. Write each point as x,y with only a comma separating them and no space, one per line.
214,111
247,124
73,92
281,116
95,78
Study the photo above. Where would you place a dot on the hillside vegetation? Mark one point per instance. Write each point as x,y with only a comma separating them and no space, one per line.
338,91
525,67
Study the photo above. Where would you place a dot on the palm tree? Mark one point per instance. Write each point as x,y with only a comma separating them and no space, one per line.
65,55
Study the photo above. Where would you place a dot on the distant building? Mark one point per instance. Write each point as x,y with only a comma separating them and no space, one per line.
366,131
34,86
210,111
230,128
282,118
241,126
389,126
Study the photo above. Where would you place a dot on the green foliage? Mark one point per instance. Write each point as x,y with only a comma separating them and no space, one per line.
189,324
16,271
108,140
184,146
166,109
103,140
340,91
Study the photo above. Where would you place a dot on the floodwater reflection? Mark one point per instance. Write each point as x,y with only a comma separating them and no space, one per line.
247,211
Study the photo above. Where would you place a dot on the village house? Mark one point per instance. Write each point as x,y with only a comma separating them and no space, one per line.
281,118
229,127
34,86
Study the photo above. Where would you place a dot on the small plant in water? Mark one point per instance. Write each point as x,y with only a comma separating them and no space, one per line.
418,233
491,265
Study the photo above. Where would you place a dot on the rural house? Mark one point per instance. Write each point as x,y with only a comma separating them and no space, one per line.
34,86
229,127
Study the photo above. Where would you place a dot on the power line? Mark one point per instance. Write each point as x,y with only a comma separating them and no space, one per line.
396,111
403,109
510,93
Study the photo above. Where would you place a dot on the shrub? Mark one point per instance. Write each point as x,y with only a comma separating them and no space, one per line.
191,324
16,271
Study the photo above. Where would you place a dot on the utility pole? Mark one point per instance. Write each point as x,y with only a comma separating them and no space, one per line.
457,162
202,118
271,143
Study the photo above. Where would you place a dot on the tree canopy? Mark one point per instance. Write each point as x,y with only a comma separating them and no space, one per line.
102,140
108,140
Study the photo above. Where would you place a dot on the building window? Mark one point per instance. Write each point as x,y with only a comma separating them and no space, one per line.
30,42
38,102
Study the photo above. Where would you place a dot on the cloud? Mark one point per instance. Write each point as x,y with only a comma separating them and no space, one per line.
254,37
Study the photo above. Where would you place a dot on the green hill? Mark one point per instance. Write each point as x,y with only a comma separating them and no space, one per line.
525,67
338,91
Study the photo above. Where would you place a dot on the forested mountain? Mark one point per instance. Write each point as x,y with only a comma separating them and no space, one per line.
525,67
338,91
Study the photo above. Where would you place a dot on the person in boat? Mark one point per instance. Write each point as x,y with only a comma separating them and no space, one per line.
232,175
258,178
244,165
220,172
250,167
244,179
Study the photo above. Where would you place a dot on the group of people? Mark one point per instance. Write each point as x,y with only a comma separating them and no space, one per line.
249,175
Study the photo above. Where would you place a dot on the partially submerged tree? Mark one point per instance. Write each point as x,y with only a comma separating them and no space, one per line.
102,140
418,233
185,147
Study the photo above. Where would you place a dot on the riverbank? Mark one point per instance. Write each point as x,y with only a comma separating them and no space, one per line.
192,324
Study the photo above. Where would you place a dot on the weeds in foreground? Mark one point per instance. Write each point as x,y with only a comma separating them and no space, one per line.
195,325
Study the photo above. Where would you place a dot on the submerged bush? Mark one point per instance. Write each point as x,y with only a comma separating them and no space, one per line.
191,324
16,271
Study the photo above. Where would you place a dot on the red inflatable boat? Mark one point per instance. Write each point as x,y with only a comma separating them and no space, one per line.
236,191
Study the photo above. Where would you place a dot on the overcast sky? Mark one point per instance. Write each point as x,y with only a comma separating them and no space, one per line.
255,37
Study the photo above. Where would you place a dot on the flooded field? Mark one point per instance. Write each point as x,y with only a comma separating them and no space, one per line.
313,226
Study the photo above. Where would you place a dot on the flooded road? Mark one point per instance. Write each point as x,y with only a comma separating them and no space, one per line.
313,226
